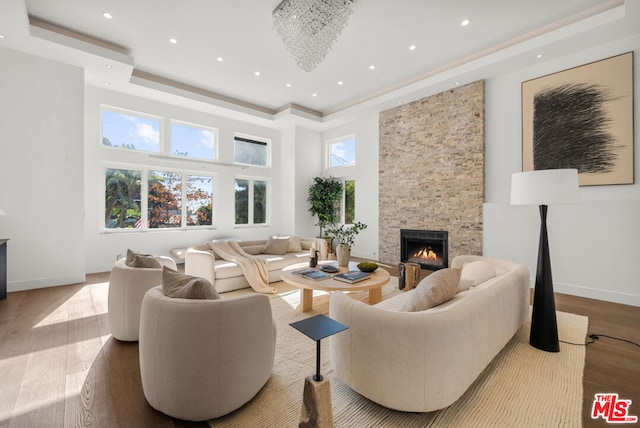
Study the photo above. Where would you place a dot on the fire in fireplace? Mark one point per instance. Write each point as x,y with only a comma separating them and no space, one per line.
429,248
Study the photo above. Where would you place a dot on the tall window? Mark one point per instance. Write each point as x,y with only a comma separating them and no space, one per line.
130,131
250,152
349,201
341,152
159,203
193,141
122,199
251,201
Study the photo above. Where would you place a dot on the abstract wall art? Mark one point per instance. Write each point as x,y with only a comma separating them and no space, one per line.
582,118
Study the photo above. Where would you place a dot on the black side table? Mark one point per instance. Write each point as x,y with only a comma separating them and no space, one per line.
316,402
3,268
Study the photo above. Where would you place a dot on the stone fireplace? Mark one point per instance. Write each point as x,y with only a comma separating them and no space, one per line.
431,171
428,248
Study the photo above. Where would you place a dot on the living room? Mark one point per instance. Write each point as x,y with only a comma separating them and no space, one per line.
52,161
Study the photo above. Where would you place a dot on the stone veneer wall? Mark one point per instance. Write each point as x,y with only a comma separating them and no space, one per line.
432,170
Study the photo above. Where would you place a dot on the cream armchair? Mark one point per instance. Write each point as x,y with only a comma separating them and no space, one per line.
127,286
201,359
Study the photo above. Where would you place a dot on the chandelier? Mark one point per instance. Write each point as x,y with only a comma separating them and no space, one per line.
309,28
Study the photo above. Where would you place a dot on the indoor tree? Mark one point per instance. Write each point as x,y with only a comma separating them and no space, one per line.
324,198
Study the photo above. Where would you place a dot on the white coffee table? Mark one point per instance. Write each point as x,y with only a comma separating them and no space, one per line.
374,283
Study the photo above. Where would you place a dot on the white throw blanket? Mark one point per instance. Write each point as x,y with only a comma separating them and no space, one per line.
253,268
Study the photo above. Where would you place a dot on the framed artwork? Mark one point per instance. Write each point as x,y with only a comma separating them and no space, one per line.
582,118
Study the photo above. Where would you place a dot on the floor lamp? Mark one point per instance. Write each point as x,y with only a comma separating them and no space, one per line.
543,188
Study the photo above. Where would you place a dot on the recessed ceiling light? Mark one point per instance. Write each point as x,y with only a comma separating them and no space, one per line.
457,83
257,73
107,15
465,22
372,67
314,95
220,59
340,82
539,55
105,83
412,47
172,40
108,66
288,85
2,36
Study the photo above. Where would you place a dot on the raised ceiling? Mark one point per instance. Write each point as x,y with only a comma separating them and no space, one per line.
221,45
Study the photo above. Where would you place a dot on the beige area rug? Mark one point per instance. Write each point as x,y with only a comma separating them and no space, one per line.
522,387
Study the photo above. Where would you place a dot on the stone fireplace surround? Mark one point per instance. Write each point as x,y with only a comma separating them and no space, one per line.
431,170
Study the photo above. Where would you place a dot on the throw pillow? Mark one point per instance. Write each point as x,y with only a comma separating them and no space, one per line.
435,289
295,246
141,260
276,245
475,273
177,284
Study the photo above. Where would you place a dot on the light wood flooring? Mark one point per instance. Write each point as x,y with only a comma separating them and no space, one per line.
60,367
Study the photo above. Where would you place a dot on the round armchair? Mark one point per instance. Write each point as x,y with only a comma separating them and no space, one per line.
201,359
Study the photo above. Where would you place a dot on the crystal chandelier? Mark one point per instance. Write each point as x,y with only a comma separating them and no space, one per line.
309,28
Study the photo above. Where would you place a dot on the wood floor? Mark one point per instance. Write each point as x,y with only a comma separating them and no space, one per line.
60,367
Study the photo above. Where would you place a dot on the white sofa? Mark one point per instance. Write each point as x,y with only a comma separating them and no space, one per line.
424,361
226,276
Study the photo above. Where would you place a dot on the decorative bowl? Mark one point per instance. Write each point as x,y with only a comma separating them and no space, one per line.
367,266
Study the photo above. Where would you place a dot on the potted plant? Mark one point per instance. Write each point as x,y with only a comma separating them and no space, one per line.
324,195
345,236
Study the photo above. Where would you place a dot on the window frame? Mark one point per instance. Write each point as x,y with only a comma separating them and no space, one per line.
251,139
251,201
196,126
144,197
134,113
331,142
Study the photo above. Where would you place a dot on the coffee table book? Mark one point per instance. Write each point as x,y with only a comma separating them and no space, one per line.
316,275
352,276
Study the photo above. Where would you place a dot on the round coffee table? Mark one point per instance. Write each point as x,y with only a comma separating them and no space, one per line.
374,283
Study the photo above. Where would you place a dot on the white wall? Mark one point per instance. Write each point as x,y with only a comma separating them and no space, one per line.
103,247
365,172
593,245
41,158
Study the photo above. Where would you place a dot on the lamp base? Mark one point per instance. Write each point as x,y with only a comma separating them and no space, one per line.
544,327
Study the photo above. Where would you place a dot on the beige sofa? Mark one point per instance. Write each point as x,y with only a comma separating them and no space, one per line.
424,361
226,276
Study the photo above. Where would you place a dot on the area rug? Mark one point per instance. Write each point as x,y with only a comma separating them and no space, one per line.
523,386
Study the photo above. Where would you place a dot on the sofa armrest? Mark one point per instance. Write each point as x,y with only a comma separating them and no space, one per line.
200,263
321,245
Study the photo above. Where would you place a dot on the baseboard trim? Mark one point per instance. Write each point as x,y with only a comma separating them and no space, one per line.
32,284
594,293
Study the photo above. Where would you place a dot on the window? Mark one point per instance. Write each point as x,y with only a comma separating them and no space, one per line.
122,199
349,202
162,205
341,152
193,141
164,199
130,131
250,152
251,201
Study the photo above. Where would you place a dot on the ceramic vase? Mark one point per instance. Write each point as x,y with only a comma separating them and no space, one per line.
343,253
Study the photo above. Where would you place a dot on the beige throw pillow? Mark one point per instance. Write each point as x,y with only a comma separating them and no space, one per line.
276,245
295,246
141,260
435,289
176,284
475,273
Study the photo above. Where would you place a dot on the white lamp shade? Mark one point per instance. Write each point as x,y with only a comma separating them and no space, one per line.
545,187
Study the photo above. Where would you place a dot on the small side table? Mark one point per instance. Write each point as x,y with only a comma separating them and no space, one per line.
316,403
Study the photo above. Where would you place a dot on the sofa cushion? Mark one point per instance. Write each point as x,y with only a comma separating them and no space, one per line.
433,290
141,260
475,273
176,284
276,245
295,245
